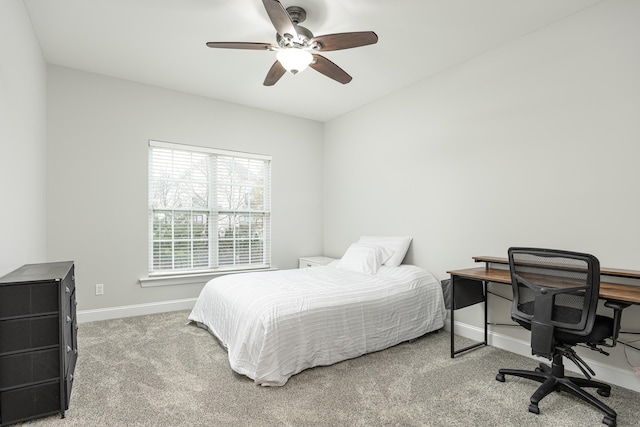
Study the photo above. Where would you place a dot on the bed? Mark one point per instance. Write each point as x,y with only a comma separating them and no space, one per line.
275,324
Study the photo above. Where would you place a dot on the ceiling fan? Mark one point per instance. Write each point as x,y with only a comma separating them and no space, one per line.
297,47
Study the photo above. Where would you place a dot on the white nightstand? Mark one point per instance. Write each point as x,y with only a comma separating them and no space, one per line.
314,261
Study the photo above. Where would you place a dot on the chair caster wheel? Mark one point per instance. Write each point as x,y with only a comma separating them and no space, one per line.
500,377
611,422
604,392
534,409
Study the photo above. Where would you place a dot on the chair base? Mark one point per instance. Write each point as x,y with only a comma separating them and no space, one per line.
553,379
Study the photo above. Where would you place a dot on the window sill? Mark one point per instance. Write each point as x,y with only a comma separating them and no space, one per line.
191,278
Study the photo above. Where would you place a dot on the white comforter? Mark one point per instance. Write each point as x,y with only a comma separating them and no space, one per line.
276,324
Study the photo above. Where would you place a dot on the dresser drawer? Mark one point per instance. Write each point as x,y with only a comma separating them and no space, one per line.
70,342
70,306
68,287
24,300
32,332
68,379
26,368
20,404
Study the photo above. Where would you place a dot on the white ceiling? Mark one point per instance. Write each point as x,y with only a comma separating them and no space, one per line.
162,43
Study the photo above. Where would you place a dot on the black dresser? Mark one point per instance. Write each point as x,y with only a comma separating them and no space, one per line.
38,341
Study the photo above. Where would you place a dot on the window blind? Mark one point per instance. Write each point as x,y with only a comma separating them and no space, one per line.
209,209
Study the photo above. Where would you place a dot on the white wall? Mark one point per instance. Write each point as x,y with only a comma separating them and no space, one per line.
22,140
97,140
534,143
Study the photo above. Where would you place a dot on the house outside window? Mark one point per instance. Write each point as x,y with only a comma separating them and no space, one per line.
209,209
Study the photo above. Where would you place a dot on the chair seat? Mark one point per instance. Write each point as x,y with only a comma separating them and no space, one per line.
602,329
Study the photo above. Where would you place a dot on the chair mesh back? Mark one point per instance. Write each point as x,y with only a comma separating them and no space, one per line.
555,288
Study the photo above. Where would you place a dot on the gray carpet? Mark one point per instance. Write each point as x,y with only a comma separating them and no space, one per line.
158,370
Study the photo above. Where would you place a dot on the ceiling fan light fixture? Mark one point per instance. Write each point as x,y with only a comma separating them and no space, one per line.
294,59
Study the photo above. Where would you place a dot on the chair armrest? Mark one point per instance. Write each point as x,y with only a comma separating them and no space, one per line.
617,307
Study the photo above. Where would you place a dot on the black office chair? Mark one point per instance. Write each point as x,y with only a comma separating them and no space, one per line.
555,296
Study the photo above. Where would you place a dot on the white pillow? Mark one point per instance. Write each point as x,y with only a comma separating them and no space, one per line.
398,244
364,258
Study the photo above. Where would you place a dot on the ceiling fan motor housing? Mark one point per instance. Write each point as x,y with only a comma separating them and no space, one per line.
304,36
297,15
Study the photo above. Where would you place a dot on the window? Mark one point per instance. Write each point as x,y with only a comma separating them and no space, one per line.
208,209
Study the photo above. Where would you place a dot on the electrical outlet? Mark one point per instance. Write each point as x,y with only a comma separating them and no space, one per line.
99,289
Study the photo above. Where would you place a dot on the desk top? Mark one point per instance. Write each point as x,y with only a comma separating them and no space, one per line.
604,271
612,291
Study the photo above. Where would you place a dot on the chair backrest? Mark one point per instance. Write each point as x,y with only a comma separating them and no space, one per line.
553,290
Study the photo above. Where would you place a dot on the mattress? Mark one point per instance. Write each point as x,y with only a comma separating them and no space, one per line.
278,323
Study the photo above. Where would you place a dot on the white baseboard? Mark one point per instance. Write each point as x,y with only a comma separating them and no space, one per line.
606,373
134,310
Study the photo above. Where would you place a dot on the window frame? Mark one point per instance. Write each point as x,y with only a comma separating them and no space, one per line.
213,211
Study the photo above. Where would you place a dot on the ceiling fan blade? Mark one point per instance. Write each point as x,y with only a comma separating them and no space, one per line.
275,72
240,45
344,40
280,18
329,69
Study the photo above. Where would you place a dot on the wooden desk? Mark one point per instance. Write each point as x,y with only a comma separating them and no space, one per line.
471,284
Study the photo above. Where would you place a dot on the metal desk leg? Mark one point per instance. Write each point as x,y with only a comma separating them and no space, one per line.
453,310
485,286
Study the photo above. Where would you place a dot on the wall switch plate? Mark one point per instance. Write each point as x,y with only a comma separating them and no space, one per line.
99,289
